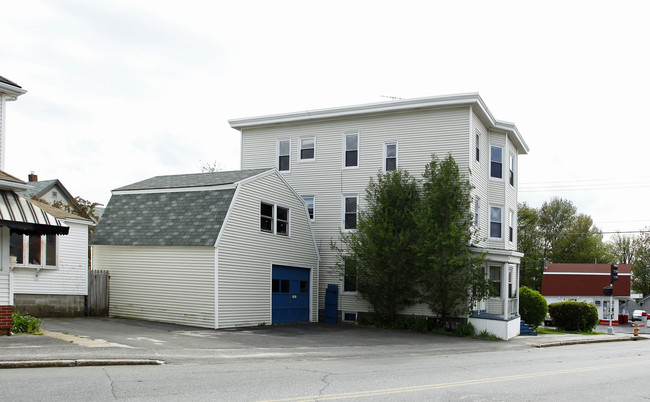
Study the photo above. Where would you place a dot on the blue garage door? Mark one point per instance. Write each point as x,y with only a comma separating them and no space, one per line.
290,294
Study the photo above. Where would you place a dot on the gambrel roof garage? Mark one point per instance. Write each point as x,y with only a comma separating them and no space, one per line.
213,250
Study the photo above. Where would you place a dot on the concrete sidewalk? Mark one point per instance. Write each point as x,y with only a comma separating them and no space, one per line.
109,341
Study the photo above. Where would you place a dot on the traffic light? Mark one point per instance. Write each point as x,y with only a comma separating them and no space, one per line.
608,290
613,274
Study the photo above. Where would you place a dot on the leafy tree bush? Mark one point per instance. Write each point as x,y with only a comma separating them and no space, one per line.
532,306
377,255
574,316
25,323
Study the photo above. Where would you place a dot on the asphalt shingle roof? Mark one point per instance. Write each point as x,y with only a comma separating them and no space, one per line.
9,82
169,218
193,180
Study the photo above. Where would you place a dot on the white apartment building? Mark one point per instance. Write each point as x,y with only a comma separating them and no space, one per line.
329,155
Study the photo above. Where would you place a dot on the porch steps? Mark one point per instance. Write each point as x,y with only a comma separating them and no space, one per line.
525,329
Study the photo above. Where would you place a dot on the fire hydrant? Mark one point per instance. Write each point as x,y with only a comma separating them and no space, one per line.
636,330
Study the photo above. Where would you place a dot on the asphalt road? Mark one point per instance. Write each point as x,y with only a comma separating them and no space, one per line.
315,362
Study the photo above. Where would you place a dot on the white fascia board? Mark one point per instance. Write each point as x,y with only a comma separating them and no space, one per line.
78,221
12,185
11,91
371,108
175,190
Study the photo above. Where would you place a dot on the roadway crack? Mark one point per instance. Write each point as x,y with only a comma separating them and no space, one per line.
112,383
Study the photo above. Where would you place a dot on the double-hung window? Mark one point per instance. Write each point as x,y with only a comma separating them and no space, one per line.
495,278
284,155
511,227
274,219
478,147
307,149
350,207
496,162
351,149
390,156
512,170
349,276
477,211
309,200
33,249
496,222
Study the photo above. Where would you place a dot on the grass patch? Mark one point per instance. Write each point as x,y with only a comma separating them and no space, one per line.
555,331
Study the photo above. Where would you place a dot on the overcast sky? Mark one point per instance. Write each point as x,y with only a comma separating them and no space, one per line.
120,91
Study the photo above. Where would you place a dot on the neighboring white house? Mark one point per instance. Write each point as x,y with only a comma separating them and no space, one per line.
51,191
213,250
328,156
51,272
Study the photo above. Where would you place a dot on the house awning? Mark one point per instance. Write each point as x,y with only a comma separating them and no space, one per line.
23,217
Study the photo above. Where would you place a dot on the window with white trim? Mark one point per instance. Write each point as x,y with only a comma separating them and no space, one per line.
307,149
512,170
477,212
274,219
350,209
496,162
511,227
478,147
349,276
390,156
309,200
33,249
495,278
284,155
496,222
351,149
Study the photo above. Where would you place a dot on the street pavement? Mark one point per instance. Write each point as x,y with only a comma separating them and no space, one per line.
113,341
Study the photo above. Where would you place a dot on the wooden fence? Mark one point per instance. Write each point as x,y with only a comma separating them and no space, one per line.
98,284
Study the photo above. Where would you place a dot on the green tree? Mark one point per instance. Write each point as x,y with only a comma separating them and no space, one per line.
623,248
641,264
449,274
555,217
581,242
532,305
529,242
378,253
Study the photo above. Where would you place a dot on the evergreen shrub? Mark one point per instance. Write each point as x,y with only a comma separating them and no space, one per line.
574,316
532,306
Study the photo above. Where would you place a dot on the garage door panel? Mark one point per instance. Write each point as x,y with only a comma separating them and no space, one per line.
290,294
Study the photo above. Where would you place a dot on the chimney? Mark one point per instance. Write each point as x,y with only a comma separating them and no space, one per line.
32,177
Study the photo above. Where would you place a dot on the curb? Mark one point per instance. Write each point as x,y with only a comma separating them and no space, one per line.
78,363
585,341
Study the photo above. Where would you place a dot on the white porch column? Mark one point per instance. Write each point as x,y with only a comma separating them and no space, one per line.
504,289
518,282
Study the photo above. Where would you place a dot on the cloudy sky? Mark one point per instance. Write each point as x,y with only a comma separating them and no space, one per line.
123,90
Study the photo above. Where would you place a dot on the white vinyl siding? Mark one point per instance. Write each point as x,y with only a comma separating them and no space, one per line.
68,277
168,284
419,135
246,255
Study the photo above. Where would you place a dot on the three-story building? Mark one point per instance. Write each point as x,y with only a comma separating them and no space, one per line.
330,155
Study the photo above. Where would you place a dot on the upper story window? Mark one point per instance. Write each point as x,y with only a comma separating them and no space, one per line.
496,162
478,147
309,200
512,170
511,227
33,249
350,207
390,156
477,211
274,219
496,222
307,148
351,150
284,155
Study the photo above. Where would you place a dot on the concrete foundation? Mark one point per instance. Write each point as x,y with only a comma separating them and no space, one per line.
50,306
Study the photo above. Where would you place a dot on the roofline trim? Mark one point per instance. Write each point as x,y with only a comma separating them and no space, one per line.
472,99
228,186
11,91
